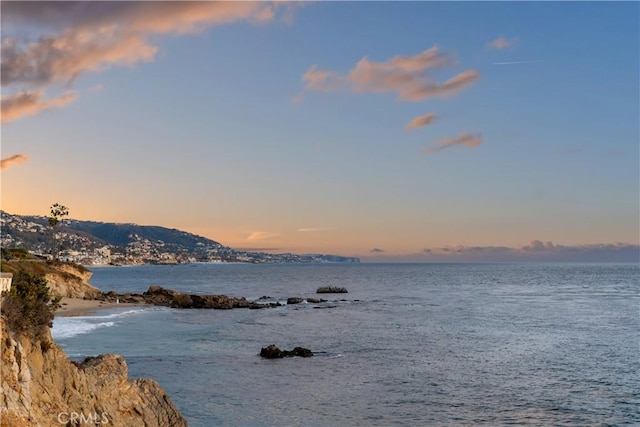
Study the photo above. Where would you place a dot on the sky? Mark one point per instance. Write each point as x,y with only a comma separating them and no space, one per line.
392,131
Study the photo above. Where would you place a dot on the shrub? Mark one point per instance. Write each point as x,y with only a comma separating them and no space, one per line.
28,307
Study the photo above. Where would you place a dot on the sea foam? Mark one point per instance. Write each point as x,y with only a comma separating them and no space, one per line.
67,327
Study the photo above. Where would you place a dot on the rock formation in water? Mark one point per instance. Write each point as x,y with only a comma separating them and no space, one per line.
331,290
157,295
42,387
273,352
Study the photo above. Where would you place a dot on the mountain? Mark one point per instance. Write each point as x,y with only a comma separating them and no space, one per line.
92,242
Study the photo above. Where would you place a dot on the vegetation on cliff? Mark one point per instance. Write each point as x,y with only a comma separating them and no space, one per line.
64,279
28,308
40,386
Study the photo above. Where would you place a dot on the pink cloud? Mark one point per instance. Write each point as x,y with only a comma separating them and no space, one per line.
85,37
24,104
465,139
501,43
407,76
16,159
262,235
94,36
421,121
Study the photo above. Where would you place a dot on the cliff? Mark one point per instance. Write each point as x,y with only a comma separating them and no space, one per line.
69,280
42,387
63,279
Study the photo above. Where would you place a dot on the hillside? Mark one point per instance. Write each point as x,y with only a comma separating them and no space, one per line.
40,386
91,242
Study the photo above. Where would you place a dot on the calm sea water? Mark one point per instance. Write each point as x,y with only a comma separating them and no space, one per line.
432,344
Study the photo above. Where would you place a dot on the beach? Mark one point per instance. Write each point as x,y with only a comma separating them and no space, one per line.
82,307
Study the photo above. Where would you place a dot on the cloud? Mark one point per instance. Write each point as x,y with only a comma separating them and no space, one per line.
407,76
468,140
514,62
16,159
93,36
63,58
421,121
23,104
536,251
156,17
539,251
262,235
538,246
376,250
501,43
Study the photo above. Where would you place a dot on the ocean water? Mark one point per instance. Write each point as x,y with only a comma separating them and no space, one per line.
413,344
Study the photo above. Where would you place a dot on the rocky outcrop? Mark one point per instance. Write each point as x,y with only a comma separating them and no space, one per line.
67,280
42,387
157,295
331,290
273,352
63,279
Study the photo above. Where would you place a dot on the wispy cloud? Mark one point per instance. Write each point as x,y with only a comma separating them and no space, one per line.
538,250
23,104
376,250
501,43
407,76
16,159
514,62
465,139
262,235
308,230
421,121
94,36
534,251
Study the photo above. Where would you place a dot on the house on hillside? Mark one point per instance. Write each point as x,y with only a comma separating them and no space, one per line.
5,281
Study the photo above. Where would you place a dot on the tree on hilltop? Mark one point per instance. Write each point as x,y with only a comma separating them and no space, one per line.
57,214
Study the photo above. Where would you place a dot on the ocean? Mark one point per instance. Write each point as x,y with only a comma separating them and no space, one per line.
410,345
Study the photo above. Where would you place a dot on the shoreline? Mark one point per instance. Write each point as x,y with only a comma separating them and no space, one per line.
71,307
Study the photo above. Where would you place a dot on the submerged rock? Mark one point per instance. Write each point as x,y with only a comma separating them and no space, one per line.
331,290
273,352
316,300
294,300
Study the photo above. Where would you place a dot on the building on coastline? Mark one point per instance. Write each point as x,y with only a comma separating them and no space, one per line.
5,281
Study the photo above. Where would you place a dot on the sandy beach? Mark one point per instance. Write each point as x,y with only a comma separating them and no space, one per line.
83,307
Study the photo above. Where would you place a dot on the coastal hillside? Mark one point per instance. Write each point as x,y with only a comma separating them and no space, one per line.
63,279
91,242
40,386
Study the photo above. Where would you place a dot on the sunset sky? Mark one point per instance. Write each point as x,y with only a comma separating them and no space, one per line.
385,130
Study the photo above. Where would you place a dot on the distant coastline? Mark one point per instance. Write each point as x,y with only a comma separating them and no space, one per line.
94,243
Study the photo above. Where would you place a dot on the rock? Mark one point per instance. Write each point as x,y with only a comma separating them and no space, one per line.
315,300
182,301
295,300
70,280
331,290
157,295
43,387
300,351
273,352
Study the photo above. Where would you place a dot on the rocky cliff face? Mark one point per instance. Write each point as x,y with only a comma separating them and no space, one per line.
42,387
68,281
